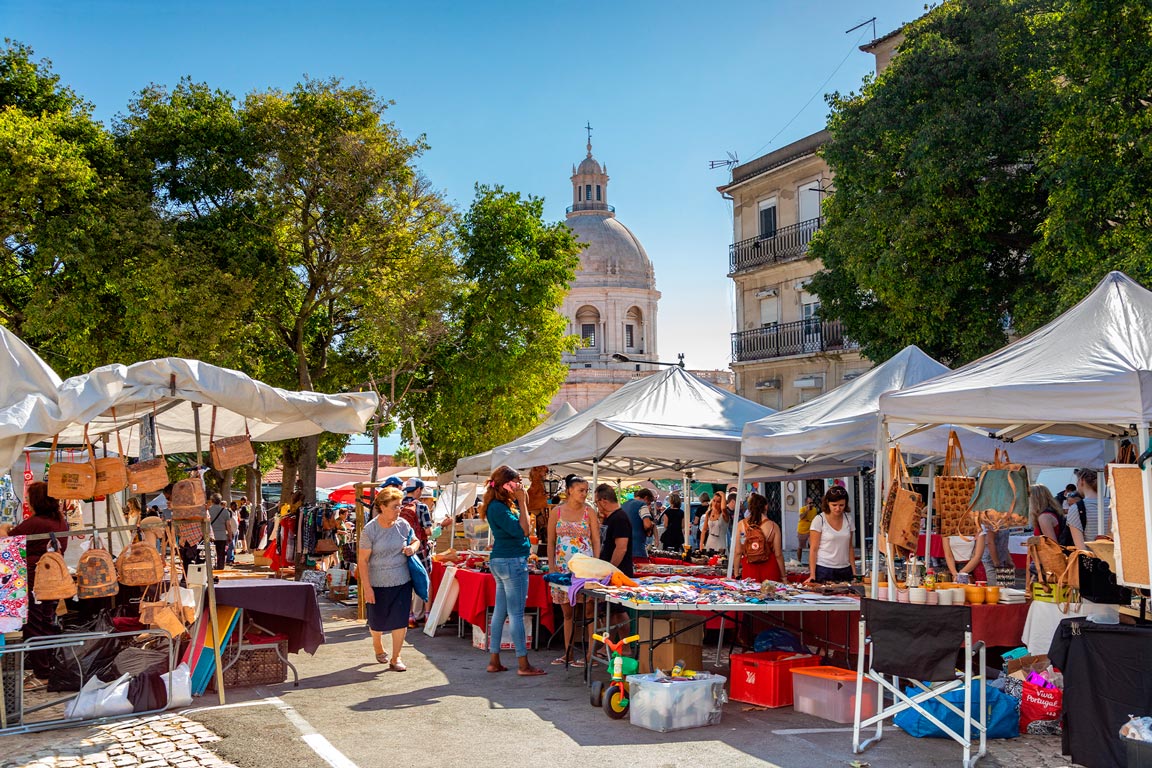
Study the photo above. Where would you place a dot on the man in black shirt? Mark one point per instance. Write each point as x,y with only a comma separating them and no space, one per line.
616,531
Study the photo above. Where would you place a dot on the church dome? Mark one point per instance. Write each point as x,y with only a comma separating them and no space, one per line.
613,256
589,165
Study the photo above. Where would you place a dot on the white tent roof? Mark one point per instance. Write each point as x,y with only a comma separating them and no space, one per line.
1090,366
835,434
480,466
167,387
657,426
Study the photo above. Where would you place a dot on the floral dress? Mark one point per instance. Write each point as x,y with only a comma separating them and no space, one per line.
571,539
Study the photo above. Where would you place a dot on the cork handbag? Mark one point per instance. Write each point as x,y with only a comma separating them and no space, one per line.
140,565
151,475
907,508
168,613
230,452
188,499
111,471
53,582
953,491
71,480
96,574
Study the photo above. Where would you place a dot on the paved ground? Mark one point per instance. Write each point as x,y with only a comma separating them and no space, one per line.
447,711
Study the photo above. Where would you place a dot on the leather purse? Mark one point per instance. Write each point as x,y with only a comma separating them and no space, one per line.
151,475
111,471
230,452
72,479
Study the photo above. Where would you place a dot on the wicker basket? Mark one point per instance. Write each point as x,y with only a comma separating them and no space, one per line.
264,664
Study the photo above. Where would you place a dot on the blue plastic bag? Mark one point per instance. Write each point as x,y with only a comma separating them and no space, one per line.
419,577
777,639
1003,714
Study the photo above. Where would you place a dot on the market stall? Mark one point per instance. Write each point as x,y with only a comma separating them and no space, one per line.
161,401
477,595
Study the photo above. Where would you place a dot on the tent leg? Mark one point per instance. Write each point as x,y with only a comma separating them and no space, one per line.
595,475
857,486
928,519
1146,487
209,586
686,506
735,522
877,507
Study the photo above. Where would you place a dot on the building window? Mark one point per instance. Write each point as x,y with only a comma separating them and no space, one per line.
588,333
768,218
630,336
769,312
588,192
597,193
579,195
809,201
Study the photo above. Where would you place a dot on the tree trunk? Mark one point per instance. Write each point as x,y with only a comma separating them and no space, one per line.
309,447
255,509
289,463
226,484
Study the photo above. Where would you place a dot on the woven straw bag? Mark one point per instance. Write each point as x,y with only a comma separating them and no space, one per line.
230,452
96,574
53,582
953,491
140,565
71,480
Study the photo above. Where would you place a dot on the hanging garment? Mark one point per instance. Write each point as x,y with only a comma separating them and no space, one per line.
13,583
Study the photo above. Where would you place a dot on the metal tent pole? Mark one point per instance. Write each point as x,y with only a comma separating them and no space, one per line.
878,507
735,524
209,586
928,520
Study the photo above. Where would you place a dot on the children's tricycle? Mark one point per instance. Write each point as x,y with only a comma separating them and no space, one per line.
614,700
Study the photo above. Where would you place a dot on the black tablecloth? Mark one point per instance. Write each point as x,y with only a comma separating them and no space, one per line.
1107,678
287,607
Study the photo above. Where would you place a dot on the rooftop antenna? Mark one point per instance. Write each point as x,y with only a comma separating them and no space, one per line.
871,21
729,163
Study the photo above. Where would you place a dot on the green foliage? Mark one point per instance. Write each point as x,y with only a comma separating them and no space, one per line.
1098,155
938,200
500,363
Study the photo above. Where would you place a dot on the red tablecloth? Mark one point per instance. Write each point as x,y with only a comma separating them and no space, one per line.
478,594
999,625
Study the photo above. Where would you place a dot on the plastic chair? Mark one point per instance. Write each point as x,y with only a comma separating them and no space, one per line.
920,643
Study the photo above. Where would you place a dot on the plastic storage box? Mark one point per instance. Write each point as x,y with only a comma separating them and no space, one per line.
477,533
830,693
764,678
660,704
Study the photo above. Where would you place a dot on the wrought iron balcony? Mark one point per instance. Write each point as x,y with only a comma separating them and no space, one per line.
591,207
799,338
786,244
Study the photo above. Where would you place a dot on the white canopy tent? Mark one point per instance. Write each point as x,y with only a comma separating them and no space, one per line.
1086,373
114,397
479,467
660,426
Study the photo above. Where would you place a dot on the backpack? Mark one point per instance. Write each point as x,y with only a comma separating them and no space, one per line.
411,516
96,574
756,545
1063,530
53,582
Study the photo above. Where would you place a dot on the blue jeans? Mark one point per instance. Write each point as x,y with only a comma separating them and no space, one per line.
511,574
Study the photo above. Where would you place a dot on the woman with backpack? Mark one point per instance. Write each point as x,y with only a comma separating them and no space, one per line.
759,547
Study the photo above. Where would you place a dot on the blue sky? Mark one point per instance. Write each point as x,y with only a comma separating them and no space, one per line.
502,90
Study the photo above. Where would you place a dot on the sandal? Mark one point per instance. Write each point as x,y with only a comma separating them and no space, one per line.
382,657
560,662
500,668
397,666
530,672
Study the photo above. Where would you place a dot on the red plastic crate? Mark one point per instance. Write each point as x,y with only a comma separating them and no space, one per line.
765,679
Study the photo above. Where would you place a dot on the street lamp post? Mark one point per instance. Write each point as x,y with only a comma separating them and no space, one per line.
625,359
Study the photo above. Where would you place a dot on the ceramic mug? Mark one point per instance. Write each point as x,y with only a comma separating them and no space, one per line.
991,595
933,598
944,596
958,596
883,595
917,595
902,595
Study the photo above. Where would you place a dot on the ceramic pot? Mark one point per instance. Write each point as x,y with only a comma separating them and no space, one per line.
902,595
883,593
944,596
917,595
974,595
933,598
958,595
991,595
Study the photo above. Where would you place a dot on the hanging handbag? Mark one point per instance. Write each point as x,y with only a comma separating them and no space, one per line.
907,507
953,491
168,613
1003,489
71,480
1049,558
140,565
325,546
230,452
189,501
96,574
53,581
111,471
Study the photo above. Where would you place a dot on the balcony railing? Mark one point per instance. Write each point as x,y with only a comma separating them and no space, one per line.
591,207
799,338
786,244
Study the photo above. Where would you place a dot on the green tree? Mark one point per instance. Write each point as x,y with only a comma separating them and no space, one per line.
938,200
1098,155
499,364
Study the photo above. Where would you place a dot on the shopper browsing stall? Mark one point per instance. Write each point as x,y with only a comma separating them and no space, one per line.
808,513
639,511
714,530
963,554
505,507
1095,520
572,529
1044,514
673,536
830,555
385,545
759,546
616,532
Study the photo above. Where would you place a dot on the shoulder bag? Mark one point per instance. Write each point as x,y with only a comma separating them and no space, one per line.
907,507
953,491
1001,492
140,565
230,452
71,480
111,471
151,475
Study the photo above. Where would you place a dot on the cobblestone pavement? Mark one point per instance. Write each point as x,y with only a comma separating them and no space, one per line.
160,741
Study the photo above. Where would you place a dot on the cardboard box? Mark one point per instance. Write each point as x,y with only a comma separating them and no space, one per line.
1019,668
686,646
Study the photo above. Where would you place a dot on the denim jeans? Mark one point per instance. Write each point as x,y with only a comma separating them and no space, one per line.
511,574
1001,551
